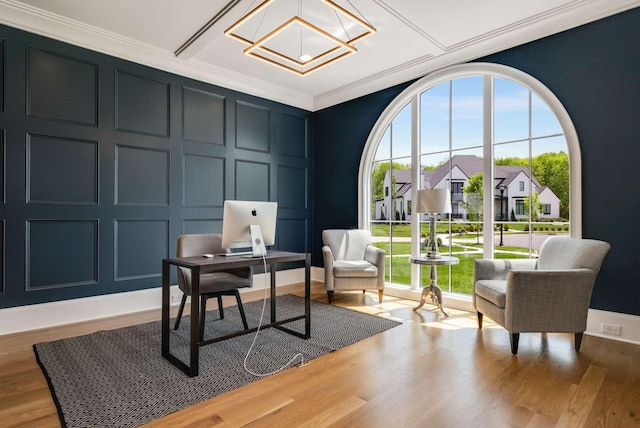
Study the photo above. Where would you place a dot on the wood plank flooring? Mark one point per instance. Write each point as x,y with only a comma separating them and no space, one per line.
432,371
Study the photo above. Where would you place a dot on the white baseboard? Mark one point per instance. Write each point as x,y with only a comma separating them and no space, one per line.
629,324
317,274
45,315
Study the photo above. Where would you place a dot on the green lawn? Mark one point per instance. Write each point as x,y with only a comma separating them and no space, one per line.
460,229
399,268
461,274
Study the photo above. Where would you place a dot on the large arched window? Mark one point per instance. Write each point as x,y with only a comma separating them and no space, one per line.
504,147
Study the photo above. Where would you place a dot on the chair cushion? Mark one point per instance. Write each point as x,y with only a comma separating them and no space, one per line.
494,291
354,269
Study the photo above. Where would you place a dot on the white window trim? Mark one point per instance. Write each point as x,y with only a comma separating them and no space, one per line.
464,70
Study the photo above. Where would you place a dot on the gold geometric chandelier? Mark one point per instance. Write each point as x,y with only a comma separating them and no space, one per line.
276,35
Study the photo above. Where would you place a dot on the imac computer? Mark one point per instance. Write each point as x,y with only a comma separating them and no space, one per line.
249,224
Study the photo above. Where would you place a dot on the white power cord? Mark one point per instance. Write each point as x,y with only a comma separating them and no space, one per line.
255,337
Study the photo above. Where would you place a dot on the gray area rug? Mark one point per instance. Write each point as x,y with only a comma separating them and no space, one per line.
118,378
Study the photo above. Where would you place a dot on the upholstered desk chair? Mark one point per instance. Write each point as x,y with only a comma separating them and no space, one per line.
351,262
214,284
550,294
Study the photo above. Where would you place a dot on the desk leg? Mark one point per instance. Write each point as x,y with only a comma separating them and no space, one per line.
272,268
194,342
307,297
432,291
166,278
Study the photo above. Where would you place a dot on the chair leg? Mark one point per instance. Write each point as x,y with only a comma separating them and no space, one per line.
220,307
380,293
330,296
203,313
241,308
180,309
479,320
578,341
515,337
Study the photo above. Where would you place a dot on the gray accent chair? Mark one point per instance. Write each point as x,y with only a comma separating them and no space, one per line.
214,284
550,294
351,262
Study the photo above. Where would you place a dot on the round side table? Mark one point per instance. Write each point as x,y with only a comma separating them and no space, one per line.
433,290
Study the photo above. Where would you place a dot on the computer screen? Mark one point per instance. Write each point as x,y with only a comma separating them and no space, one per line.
238,217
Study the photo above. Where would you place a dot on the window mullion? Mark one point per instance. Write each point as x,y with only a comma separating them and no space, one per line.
487,185
416,185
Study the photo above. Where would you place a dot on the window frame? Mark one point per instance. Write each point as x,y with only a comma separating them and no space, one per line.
411,96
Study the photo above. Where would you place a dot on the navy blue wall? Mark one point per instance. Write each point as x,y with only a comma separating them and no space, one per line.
342,132
595,72
103,163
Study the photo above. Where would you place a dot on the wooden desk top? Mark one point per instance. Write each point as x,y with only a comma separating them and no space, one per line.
219,262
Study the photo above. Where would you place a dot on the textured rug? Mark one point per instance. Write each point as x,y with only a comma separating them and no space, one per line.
118,378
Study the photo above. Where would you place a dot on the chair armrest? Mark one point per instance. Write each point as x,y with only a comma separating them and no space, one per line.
554,300
374,255
498,269
327,257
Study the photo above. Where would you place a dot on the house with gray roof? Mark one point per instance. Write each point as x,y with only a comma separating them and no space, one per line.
512,185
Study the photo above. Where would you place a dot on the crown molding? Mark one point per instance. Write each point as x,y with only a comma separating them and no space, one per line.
578,12
24,17
562,18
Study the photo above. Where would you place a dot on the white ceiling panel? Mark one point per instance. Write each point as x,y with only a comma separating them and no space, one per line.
413,38
162,23
454,22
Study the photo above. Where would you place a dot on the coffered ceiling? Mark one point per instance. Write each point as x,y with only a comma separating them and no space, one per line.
413,38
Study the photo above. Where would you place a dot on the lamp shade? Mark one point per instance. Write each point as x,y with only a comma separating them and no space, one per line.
433,201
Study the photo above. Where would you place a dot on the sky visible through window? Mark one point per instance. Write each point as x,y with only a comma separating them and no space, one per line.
455,108
452,120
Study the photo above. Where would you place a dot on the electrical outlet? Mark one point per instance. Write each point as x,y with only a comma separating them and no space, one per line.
175,298
610,329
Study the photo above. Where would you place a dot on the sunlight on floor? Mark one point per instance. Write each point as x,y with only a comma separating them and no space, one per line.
457,320
400,309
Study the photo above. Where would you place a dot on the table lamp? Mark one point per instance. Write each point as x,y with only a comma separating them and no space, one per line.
433,202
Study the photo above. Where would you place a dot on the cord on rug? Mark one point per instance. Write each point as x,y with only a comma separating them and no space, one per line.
255,337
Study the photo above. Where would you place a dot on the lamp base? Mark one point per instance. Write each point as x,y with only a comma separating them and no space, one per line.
432,244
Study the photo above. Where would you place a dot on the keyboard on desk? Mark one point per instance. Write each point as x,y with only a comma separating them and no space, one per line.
239,253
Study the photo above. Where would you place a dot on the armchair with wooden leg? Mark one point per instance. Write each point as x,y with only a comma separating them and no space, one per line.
215,284
550,294
351,262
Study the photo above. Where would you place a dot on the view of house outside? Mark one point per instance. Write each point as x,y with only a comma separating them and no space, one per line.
529,189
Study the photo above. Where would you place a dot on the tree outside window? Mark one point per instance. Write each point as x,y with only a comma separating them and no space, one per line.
451,118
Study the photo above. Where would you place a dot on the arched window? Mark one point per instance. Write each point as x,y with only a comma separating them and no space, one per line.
500,142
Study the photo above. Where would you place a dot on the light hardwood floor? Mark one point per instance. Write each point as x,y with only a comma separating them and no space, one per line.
432,371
